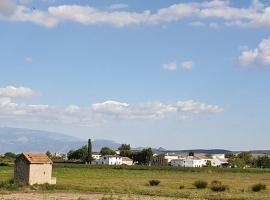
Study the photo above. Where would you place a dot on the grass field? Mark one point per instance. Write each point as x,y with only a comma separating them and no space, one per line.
134,180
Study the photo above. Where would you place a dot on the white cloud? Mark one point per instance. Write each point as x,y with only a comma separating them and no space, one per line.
259,55
118,6
255,15
11,91
170,66
186,65
97,113
7,7
25,2
153,110
197,107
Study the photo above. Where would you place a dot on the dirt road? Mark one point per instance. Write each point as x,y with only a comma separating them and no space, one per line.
74,196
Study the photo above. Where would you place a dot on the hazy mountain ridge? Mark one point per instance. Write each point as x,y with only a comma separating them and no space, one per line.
19,140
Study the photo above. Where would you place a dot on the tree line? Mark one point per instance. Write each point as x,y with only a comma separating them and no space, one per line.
142,157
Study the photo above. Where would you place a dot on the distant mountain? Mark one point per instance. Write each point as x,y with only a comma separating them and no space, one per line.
19,140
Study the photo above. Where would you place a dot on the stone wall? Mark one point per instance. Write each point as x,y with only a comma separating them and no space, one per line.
40,174
21,170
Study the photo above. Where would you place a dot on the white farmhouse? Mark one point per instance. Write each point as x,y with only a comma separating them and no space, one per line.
96,156
219,162
190,161
109,160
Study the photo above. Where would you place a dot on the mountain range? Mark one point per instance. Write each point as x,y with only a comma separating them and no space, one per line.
19,140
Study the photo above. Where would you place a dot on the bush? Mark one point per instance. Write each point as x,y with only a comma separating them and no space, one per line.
181,187
217,186
10,185
258,187
154,182
200,184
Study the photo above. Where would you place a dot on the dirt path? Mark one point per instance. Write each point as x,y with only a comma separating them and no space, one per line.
74,196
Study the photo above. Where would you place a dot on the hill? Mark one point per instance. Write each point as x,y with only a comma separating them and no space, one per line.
18,140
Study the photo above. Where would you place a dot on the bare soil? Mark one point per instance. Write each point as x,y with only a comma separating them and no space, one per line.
74,196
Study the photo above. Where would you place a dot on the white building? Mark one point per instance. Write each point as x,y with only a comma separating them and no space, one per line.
218,162
109,160
219,156
96,156
164,159
127,161
190,161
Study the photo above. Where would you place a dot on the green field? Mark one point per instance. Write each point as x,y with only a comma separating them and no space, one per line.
134,180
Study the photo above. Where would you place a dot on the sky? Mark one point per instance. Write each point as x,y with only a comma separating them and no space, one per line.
172,74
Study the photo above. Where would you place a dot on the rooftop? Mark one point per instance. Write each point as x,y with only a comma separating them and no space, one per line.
37,158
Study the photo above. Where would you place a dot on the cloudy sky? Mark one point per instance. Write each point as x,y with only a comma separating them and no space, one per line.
176,74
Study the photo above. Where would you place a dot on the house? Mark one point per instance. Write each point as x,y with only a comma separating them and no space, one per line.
96,156
178,162
218,156
33,168
109,160
191,161
219,162
164,159
127,161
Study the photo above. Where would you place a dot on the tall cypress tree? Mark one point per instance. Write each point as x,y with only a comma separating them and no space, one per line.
89,151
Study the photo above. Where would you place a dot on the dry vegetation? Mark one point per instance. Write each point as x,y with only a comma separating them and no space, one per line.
135,180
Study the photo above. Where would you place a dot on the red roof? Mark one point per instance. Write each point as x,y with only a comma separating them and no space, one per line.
126,159
37,158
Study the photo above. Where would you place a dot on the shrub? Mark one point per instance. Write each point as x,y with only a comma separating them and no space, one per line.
181,187
154,182
200,184
258,187
10,185
47,186
217,186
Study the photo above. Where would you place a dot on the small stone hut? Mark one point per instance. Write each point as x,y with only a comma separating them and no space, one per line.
32,168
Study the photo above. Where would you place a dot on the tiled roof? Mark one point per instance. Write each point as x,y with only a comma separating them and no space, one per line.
37,158
126,159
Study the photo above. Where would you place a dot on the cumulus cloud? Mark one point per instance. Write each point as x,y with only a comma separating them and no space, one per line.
259,55
7,7
255,15
118,6
170,66
153,110
11,91
186,65
95,114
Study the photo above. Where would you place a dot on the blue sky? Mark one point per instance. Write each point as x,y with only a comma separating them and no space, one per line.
176,74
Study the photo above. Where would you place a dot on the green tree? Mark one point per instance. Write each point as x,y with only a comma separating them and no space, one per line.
191,153
107,151
79,154
89,153
246,156
124,147
49,154
144,157
10,155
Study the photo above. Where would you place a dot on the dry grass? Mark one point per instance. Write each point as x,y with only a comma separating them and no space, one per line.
135,181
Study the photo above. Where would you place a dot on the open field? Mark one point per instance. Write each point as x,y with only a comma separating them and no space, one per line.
134,180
